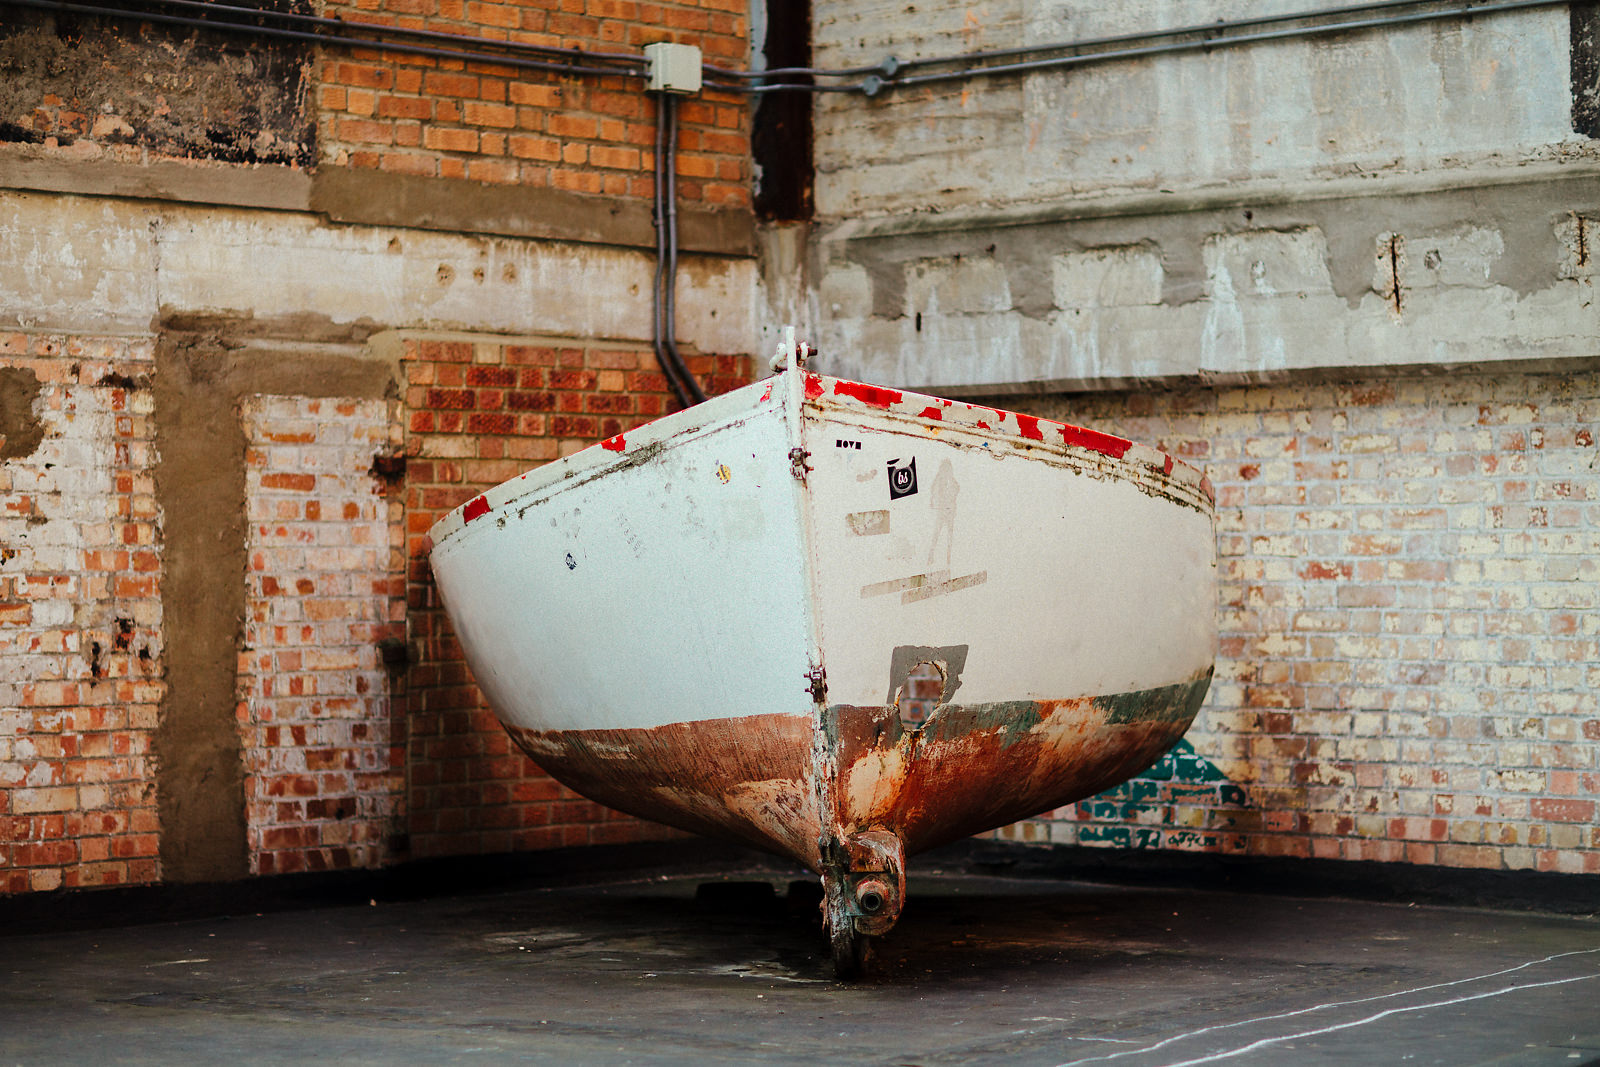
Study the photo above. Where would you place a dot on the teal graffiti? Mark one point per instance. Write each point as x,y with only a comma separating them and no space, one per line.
1181,777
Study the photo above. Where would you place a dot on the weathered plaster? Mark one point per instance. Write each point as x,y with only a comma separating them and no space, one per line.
119,265
1486,273
1402,99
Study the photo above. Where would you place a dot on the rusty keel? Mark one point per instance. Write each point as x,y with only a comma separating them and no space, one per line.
864,888
889,789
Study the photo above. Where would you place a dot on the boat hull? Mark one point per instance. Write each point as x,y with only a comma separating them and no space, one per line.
838,622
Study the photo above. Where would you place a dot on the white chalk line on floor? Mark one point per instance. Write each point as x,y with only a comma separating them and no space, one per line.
1345,1004
1266,1041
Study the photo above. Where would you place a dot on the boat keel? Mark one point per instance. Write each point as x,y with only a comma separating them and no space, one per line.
864,886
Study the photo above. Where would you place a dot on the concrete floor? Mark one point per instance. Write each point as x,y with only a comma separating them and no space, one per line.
980,970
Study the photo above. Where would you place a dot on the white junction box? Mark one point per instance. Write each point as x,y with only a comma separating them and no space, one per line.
674,68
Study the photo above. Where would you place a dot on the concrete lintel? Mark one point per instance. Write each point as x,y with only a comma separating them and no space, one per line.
378,198
1261,193
1313,375
369,197
268,187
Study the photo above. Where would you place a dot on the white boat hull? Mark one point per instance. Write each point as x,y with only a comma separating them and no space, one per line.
714,620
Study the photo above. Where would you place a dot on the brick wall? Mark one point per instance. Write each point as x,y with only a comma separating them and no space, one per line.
1409,604
323,738
443,118
374,109
479,412
80,614
1410,619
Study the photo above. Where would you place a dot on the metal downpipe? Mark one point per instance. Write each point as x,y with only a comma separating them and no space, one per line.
662,320
669,314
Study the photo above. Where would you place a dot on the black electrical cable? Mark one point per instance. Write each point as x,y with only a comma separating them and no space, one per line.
1058,46
886,74
877,78
1123,38
657,331
772,72
1211,42
488,58
790,87
295,17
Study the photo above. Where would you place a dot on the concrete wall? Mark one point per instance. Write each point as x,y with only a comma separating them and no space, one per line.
1411,195
1400,99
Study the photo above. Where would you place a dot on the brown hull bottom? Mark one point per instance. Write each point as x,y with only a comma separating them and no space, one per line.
746,779
765,780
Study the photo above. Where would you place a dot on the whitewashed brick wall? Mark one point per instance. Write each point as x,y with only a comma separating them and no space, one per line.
81,675
1410,617
324,766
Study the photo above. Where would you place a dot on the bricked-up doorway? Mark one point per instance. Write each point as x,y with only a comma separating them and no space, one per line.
200,383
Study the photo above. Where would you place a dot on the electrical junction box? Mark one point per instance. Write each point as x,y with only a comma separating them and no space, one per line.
673,68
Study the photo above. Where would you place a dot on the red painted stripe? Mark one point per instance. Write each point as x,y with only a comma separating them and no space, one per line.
931,412
614,444
813,386
1028,426
476,507
1104,443
872,395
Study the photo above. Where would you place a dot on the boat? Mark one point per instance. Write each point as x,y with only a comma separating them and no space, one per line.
840,622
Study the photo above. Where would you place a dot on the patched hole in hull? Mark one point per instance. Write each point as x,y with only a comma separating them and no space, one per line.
920,695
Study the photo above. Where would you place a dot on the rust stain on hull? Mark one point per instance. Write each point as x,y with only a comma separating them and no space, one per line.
746,779
972,768
852,790
757,779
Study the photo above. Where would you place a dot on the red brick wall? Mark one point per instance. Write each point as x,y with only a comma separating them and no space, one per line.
480,412
80,619
443,118
376,109
1410,617
322,732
